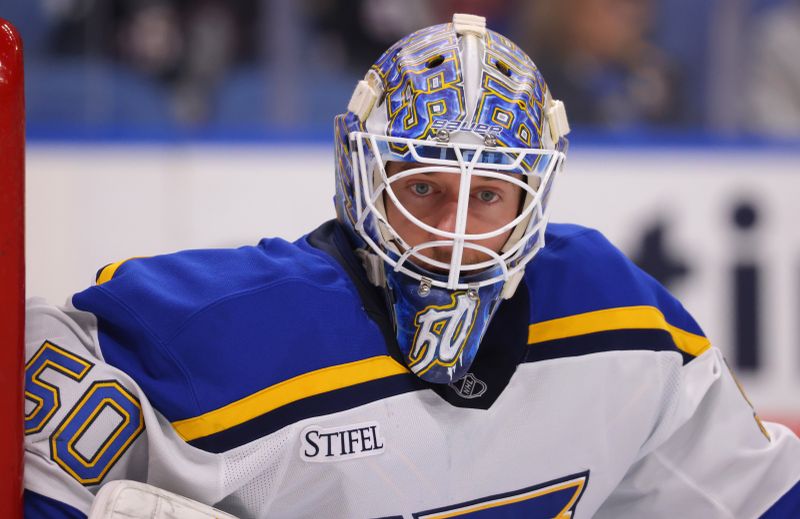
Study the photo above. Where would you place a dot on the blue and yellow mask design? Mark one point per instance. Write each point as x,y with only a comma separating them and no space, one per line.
452,99
439,330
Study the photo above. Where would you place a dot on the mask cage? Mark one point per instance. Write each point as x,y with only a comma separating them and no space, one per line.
536,168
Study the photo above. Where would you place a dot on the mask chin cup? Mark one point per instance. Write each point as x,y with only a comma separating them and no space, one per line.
439,330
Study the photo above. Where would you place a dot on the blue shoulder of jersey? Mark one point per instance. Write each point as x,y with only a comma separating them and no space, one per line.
199,330
586,296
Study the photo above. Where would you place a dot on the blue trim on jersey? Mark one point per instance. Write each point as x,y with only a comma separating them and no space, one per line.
579,271
612,340
200,329
318,405
787,506
37,506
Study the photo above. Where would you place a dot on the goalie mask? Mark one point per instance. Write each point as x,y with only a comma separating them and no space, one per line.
445,161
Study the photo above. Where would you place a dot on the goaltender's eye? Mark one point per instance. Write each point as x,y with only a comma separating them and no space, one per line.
488,196
421,189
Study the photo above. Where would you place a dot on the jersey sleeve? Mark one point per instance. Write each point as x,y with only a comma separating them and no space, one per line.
707,454
88,423
710,455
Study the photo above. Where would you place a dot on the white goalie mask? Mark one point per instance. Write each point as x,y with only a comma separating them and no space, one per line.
458,112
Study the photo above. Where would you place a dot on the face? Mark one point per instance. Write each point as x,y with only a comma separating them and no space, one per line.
433,198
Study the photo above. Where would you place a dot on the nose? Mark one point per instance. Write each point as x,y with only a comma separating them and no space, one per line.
445,216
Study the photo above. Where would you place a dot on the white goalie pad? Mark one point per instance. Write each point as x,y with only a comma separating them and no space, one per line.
133,500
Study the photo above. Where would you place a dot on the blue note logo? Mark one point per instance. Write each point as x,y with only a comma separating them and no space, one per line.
442,332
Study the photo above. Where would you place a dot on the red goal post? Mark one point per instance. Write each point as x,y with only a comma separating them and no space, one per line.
12,268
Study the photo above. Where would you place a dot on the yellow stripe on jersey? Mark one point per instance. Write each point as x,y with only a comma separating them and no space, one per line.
107,272
627,317
302,386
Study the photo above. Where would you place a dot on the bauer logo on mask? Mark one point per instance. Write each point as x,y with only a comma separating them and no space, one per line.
442,332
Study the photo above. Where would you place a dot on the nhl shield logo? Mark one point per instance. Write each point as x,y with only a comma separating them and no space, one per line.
469,387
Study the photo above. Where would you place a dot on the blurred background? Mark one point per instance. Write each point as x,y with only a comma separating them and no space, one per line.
157,125
265,68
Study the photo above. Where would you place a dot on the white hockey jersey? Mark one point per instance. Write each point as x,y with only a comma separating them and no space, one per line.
266,381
